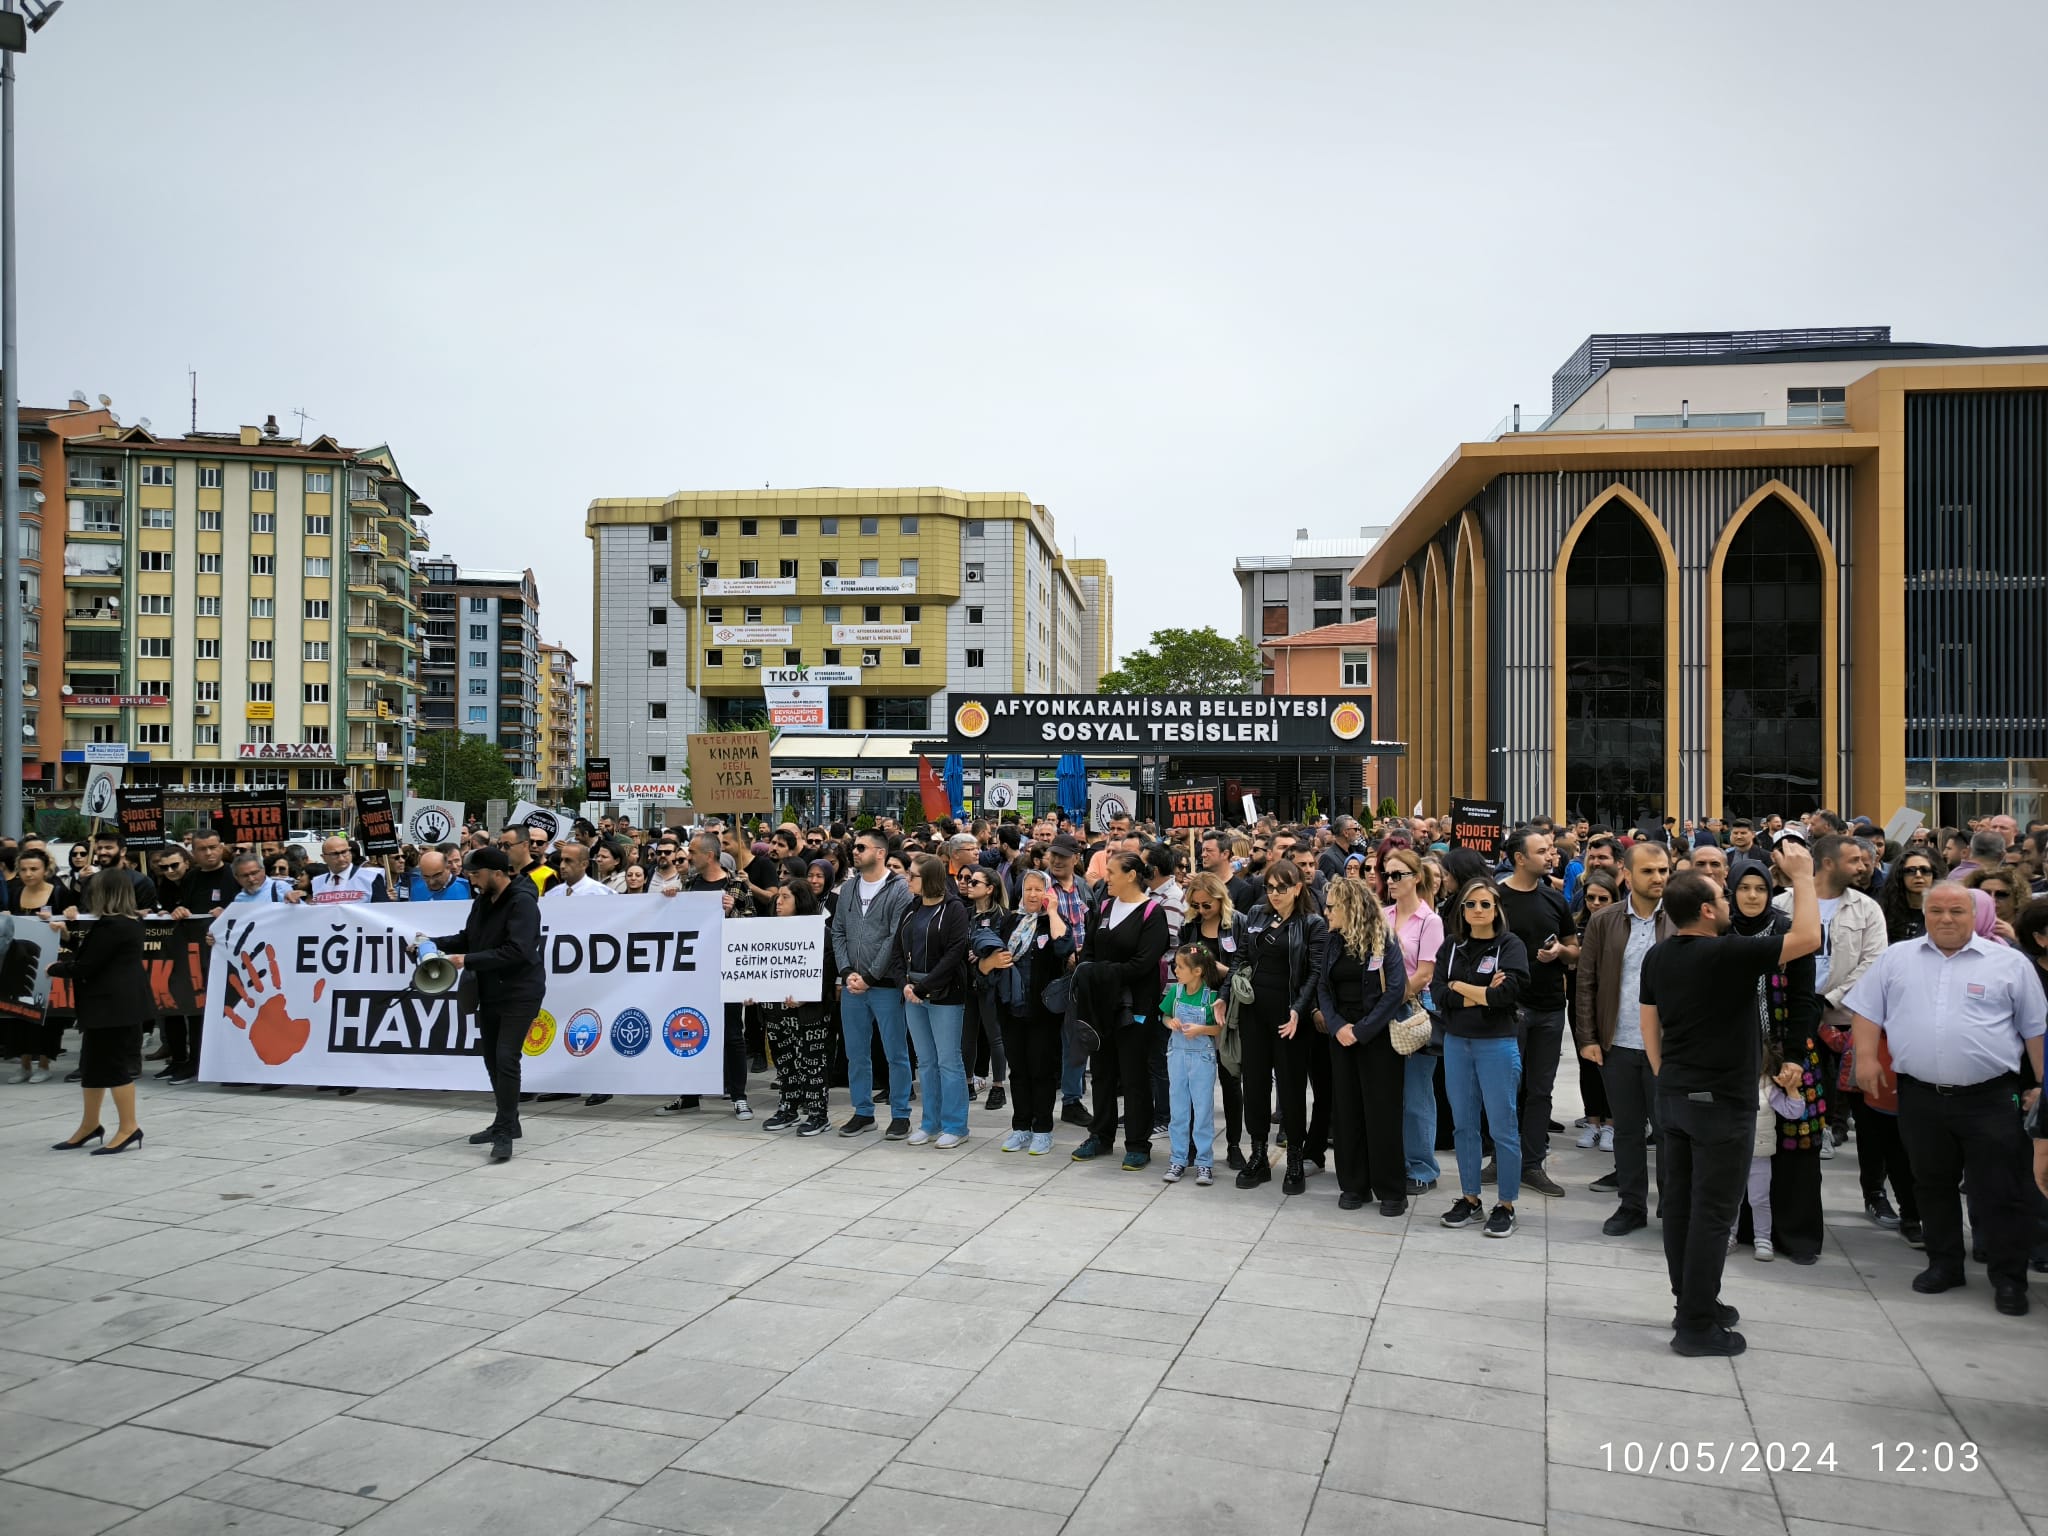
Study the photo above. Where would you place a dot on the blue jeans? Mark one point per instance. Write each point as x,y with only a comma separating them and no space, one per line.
1073,1082
1418,1117
1191,1081
860,1015
1488,1073
936,1029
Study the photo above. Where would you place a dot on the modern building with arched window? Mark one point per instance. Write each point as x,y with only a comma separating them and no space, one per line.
1731,573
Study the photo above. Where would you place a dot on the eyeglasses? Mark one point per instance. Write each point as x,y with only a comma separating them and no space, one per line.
1995,891
1917,872
1278,885
1477,906
1400,874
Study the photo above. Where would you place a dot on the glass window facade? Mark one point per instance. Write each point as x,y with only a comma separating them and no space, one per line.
1614,671
1771,666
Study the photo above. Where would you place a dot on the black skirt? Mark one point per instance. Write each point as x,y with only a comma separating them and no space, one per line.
110,1058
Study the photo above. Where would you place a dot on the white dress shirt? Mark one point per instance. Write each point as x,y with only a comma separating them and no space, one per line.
584,887
1952,1020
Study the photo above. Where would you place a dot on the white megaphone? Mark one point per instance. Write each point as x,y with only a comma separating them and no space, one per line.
435,973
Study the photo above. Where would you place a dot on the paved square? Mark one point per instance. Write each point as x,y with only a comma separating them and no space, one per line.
300,1314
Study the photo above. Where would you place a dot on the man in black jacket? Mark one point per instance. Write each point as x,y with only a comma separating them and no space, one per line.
500,946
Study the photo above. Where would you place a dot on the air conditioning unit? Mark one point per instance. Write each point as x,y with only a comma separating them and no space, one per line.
750,661
973,574
202,710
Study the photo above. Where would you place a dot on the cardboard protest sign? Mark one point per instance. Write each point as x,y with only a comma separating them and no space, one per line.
730,772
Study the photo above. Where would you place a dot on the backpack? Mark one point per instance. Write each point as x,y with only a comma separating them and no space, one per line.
1144,915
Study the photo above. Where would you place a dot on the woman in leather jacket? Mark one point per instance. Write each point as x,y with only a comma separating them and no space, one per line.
1214,922
931,947
1279,1034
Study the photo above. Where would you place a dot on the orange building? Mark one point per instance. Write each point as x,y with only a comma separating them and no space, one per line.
1338,658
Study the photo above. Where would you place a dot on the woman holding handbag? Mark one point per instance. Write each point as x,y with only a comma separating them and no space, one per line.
1280,1037
1479,976
1220,928
1410,883
1030,978
1362,984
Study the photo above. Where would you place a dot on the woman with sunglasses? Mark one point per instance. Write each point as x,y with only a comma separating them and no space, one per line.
1280,1038
1480,972
1218,926
1915,873
2008,895
981,1043
1597,888
1409,889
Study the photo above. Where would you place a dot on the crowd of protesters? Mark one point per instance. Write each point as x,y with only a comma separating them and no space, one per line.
1740,1000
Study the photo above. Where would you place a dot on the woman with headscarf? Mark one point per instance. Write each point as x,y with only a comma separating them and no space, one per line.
1035,955
1788,1016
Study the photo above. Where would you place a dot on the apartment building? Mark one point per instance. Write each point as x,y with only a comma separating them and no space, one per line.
559,749
235,607
903,593
1306,588
481,671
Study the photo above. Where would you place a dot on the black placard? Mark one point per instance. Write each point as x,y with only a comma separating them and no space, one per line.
253,819
1480,825
1197,809
597,778
140,811
375,822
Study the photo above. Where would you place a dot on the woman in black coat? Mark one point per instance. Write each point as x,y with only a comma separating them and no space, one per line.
1214,923
1362,983
111,995
1117,989
1035,954
931,947
1279,1035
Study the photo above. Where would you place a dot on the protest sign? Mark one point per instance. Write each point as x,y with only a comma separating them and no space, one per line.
768,959
1107,802
141,815
173,963
555,823
252,819
1480,825
1195,810
325,996
102,792
375,823
730,772
999,795
431,822
597,778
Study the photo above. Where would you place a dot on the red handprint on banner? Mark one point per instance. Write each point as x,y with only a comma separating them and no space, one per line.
276,1036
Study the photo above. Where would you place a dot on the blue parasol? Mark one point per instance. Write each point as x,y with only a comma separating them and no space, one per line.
1073,772
955,777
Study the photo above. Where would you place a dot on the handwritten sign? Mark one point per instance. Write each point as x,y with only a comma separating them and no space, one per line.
729,771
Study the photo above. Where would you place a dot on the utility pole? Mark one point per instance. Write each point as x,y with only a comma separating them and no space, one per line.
14,36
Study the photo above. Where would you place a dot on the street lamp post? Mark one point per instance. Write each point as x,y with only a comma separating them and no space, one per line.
14,30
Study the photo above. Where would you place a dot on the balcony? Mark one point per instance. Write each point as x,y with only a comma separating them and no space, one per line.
95,616
1518,422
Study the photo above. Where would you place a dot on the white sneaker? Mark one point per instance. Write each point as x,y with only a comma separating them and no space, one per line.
742,1110
1589,1138
1764,1251
1041,1143
1016,1141
1606,1138
40,1075
22,1076
1827,1147
919,1137
948,1141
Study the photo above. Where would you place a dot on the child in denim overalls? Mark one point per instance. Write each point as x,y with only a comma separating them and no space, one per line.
1192,1011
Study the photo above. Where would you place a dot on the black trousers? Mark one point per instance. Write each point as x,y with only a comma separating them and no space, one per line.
1123,1067
1797,1226
1974,1134
501,1032
1299,1064
181,1033
1881,1155
1593,1091
1367,1082
1542,1034
736,1050
1706,1147
1632,1093
1031,1044
1233,1104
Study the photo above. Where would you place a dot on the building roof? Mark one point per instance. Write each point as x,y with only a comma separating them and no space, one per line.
1365,632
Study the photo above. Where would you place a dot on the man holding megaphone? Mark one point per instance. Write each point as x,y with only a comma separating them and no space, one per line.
500,946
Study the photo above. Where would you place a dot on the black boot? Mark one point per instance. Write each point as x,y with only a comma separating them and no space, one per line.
1296,1181
1257,1170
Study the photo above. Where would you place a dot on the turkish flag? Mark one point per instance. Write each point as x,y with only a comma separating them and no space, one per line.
932,790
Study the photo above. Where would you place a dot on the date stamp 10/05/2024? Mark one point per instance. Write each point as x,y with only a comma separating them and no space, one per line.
1736,1458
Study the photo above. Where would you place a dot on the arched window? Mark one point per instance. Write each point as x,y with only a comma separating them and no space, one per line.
1771,644
1614,674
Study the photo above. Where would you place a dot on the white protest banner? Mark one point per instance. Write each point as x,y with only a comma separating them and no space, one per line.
1106,802
1904,823
768,959
102,793
999,795
797,709
555,823
324,995
1251,810
428,822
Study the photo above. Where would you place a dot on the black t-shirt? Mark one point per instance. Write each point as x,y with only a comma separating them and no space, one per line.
201,890
1533,916
1704,991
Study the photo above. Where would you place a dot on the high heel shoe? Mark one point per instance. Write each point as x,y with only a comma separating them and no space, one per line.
119,1146
97,1133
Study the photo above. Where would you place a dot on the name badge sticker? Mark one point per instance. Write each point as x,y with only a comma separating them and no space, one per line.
1974,988
1374,963
1486,966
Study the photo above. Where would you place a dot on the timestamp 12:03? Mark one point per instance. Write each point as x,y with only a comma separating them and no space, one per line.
1935,1456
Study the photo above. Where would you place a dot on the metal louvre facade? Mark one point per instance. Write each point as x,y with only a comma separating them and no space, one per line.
1976,574
1524,520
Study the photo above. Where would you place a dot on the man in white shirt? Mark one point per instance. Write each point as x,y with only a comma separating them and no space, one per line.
344,879
1957,1012
572,870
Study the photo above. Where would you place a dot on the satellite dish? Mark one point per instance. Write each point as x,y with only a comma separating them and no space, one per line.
114,602
106,399
142,422
65,690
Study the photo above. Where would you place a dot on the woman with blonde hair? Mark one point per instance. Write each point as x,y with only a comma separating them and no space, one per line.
1409,882
1214,922
1362,982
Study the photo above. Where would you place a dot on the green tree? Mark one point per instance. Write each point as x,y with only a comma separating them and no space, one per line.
457,766
1187,661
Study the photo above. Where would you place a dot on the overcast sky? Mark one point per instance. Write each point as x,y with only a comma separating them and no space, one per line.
1189,275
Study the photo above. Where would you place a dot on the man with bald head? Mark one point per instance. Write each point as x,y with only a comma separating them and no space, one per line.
1957,1013
435,879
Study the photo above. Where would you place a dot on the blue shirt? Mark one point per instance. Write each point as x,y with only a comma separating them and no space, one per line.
1628,1011
417,889
1952,1019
